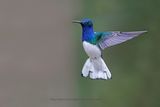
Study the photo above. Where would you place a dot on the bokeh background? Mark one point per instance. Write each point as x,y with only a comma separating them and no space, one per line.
41,55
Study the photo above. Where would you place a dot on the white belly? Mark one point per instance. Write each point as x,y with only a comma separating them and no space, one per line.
92,50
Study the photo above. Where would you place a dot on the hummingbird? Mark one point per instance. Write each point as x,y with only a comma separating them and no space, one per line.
94,43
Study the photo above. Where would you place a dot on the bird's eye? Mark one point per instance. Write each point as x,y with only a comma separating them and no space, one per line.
89,23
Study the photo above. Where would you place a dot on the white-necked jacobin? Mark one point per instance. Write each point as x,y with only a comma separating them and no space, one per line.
94,43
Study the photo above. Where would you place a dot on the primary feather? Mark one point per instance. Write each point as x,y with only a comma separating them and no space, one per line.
107,39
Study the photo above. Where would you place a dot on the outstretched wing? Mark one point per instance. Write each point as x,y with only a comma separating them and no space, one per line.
108,39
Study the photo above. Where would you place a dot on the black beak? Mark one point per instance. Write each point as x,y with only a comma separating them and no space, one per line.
76,21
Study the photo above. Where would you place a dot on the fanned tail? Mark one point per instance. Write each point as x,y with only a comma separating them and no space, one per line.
96,69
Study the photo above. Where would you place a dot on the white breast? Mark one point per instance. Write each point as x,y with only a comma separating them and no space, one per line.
91,50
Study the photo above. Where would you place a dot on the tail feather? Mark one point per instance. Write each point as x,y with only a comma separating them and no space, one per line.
86,68
106,69
96,69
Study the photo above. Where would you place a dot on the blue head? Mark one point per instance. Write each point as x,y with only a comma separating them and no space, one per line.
86,23
87,29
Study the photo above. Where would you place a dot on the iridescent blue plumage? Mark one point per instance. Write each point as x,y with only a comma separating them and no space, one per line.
94,42
87,30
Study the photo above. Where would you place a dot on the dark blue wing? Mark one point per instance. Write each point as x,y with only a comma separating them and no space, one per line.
113,38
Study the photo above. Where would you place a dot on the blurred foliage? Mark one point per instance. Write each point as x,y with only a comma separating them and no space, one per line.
134,64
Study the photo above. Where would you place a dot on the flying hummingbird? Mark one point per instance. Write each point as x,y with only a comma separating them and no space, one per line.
94,43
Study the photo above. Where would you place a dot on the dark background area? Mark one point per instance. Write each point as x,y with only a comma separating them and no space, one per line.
134,64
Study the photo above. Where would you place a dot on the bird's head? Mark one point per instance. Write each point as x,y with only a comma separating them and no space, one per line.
84,22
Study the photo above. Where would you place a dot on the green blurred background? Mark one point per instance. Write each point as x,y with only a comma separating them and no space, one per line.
134,64
41,54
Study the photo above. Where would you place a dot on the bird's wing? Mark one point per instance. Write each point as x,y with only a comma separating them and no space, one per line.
107,39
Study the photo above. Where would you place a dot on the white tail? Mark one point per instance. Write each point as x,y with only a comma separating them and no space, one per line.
96,69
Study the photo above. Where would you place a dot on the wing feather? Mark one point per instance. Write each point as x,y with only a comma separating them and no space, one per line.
117,37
